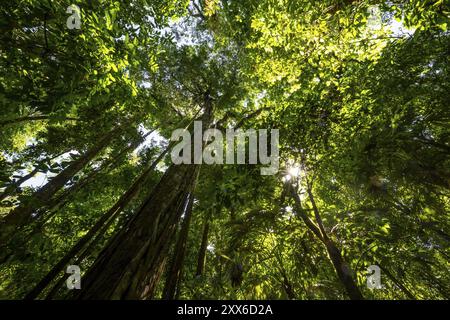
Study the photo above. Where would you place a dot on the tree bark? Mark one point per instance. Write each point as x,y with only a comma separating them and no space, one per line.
343,271
176,266
341,267
124,268
398,283
128,264
85,253
108,217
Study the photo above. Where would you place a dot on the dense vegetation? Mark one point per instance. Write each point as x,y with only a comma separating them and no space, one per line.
360,91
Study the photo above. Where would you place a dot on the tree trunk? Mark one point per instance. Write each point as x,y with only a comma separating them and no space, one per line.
128,264
176,266
153,280
85,253
202,251
21,214
11,190
108,217
398,283
342,269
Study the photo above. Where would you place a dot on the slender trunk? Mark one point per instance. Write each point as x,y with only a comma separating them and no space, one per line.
85,253
176,266
21,214
398,283
109,215
57,203
342,269
202,251
33,118
11,190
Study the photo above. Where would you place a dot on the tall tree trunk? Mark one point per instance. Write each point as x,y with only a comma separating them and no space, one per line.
343,270
34,118
80,257
202,251
127,264
62,199
11,190
107,218
341,267
130,261
21,214
176,266
154,279
398,283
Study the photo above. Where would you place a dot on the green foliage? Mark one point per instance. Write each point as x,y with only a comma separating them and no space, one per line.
363,111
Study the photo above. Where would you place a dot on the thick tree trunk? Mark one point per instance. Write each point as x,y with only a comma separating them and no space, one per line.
21,214
153,280
108,217
85,253
126,266
176,267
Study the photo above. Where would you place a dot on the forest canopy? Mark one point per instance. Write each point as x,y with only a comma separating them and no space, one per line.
91,93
